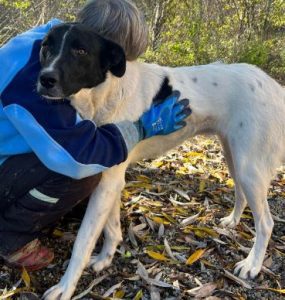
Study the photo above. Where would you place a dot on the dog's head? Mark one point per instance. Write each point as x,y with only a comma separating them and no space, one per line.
74,57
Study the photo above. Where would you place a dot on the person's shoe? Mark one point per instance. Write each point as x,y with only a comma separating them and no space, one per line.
33,256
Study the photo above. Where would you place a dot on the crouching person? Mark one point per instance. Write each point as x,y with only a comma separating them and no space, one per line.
51,159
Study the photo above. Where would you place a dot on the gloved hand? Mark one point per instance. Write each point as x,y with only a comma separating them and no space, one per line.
164,118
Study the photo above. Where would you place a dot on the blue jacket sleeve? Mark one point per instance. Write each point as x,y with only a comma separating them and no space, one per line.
54,131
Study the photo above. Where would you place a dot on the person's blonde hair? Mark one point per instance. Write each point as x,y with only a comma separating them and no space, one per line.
119,21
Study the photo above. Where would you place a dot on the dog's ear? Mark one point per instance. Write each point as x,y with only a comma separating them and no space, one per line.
114,58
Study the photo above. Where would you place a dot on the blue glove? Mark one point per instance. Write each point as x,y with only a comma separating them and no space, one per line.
164,118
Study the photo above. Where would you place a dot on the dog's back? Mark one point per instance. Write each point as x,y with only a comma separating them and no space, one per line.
239,100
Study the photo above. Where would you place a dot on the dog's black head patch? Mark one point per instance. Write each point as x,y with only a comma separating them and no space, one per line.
74,57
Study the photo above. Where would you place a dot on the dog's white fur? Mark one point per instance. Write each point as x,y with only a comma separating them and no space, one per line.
239,103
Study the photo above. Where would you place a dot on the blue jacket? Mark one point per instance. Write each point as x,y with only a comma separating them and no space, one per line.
54,131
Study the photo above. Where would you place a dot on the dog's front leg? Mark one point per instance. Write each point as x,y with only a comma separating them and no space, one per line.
112,229
112,237
100,205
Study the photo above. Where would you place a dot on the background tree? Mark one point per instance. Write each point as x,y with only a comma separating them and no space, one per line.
183,32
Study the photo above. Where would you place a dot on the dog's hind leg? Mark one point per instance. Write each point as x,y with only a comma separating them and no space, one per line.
240,201
112,238
254,178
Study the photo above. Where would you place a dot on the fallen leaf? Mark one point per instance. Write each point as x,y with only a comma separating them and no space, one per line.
203,291
195,256
168,250
95,282
202,186
190,220
156,256
26,278
237,280
160,220
279,291
230,183
112,289
182,194
119,294
139,295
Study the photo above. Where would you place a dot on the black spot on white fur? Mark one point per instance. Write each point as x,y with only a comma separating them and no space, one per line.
252,87
165,91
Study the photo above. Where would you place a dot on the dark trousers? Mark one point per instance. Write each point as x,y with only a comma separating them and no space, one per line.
33,198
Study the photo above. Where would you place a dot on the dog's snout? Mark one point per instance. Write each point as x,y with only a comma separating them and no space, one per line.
49,79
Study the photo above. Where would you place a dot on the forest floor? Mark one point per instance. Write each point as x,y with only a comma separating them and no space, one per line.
166,254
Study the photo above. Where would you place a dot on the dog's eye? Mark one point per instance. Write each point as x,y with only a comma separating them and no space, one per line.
44,46
45,50
79,52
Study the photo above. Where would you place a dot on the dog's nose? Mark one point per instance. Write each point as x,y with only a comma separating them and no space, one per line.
49,79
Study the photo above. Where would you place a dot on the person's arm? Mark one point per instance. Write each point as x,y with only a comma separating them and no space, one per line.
53,129
15,54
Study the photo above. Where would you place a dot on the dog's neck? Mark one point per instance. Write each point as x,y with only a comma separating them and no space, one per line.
119,99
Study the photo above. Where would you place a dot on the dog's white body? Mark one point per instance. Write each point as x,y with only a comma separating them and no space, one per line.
239,103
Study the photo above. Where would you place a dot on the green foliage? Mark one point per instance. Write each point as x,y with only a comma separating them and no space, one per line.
183,32
199,32
256,53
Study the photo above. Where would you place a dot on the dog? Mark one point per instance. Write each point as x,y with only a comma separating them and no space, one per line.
239,103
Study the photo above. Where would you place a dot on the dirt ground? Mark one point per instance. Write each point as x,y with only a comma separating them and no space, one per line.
166,254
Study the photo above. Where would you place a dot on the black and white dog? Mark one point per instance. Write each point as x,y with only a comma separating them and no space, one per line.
238,102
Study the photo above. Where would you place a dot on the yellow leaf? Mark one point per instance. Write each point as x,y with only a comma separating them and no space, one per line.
276,290
182,171
8,294
160,220
154,203
143,209
203,231
219,176
143,178
202,186
194,154
26,278
139,295
140,184
230,183
119,294
157,164
246,235
195,256
200,234
169,218
58,233
244,216
156,256
126,194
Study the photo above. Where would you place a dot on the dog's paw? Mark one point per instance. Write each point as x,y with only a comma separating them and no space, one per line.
247,268
58,292
100,262
229,221
53,293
